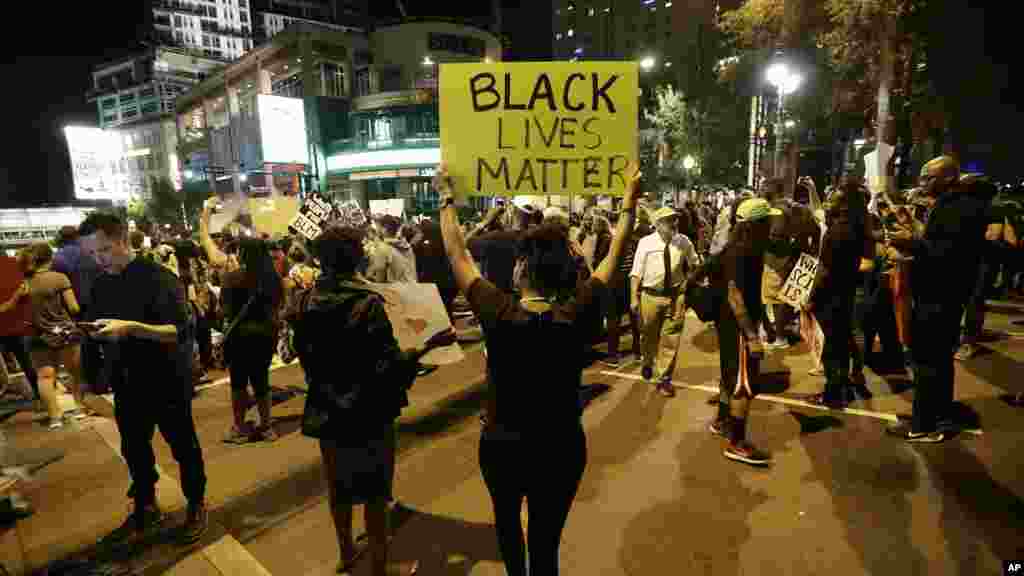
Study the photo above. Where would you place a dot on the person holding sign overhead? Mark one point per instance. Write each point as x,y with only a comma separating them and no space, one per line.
662,261
533,408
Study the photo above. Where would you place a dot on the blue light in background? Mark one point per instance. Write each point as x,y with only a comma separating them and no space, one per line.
578,51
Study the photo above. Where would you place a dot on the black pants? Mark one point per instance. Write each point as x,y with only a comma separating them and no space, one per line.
138,416
834,310
778,329
547,473
617,305
974,320
729,350
204,337
880,320
250,363
16,346
936,331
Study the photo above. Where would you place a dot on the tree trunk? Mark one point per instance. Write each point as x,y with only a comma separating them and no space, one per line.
906,128
882,122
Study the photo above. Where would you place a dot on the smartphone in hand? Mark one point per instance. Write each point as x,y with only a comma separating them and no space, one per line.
89,327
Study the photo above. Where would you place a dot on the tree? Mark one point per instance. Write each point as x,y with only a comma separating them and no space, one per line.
872,48
677,124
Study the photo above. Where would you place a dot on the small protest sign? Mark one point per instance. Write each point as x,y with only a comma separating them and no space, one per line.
797,290
311,217
417,313
391,206
547,128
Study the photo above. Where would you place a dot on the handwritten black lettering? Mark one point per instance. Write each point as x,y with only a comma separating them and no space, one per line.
602,92
501,171
568,90
613,171
597,135
526,171
508,95
543,82
501,145
567,132
488,88
549,138
544,163
565,170
590,168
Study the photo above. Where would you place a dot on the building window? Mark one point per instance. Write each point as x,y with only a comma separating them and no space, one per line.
590,11
244,17
150,108
147,92
130,112
108,103
334,80
177,21
110,119
290,86
571,6
427,198
390,79
126,97
362,82
558,36
243,3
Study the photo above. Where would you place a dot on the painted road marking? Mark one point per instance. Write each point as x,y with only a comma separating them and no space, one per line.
782,400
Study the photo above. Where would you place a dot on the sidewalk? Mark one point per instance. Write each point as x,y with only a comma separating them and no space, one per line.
83,496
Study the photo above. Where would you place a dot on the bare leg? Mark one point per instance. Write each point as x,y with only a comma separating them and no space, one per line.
377,528
48,391
71,357
341,504
239,406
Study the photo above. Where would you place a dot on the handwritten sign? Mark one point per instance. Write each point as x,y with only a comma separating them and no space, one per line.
417,313
311,217
539,127
391,206
797,290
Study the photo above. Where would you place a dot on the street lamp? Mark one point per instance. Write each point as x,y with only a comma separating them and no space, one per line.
786,82
689,162
427,61
647,63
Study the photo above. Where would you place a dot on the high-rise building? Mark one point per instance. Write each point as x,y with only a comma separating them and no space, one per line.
273,16
221,29
667,31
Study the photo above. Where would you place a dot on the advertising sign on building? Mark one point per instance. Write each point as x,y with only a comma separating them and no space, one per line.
94,156
283,129
539,127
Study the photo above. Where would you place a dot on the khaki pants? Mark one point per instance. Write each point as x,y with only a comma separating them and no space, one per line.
661,320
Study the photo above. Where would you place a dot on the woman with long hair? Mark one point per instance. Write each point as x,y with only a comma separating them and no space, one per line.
251,297
533,409
56,340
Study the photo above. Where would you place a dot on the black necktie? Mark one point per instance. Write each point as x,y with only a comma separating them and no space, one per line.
667,288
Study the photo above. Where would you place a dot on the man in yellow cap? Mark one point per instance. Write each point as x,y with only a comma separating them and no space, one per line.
950,243
737,276
662,261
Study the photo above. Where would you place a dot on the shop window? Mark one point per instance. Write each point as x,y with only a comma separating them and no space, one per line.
362,82
334,80
390,79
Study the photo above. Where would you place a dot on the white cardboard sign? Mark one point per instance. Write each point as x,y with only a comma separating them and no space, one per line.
797,290
417,313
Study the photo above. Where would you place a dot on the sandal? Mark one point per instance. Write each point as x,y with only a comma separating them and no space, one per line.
347,566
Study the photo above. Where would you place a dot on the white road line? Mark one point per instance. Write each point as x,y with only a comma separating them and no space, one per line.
780,400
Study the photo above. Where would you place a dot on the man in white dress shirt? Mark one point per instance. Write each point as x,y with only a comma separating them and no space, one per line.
658,296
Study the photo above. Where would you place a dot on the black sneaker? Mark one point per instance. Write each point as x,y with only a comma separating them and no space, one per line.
647,372
197,520
747,454
905,432
135,528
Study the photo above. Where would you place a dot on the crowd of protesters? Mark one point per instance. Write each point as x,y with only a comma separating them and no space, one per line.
113,307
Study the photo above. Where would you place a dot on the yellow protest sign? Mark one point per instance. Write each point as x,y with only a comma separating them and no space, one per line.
542,128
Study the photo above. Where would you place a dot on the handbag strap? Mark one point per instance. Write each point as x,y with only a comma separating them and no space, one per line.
238,318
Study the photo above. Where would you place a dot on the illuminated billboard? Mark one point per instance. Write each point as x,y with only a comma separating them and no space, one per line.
95,154
283,129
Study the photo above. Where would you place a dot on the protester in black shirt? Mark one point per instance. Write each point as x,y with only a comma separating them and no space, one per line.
141,320
953,234
352,414
535,363
736,276
495,249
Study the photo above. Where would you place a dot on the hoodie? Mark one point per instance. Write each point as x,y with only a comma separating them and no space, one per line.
392,260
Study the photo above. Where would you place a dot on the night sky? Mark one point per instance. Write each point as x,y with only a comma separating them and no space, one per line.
49,60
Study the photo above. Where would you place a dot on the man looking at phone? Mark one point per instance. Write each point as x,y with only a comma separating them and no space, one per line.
139,316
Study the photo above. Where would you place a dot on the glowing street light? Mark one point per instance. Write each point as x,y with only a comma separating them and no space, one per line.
647,63
427,61
689,163
783,79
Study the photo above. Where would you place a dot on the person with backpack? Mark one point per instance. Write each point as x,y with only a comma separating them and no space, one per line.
533,411
356,392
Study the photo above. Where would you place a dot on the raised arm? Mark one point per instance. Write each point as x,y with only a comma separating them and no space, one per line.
624,227
217,258
463,268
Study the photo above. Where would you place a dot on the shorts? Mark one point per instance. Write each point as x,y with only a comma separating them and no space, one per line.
365,467
43,355
771,284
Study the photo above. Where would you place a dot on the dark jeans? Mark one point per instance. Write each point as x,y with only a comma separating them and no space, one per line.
16,345
936,331
250,360
512,471
729,351
783,317
138,417
618,304
880,320
834,310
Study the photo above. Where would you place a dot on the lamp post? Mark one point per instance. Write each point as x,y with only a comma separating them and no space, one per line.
786,82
